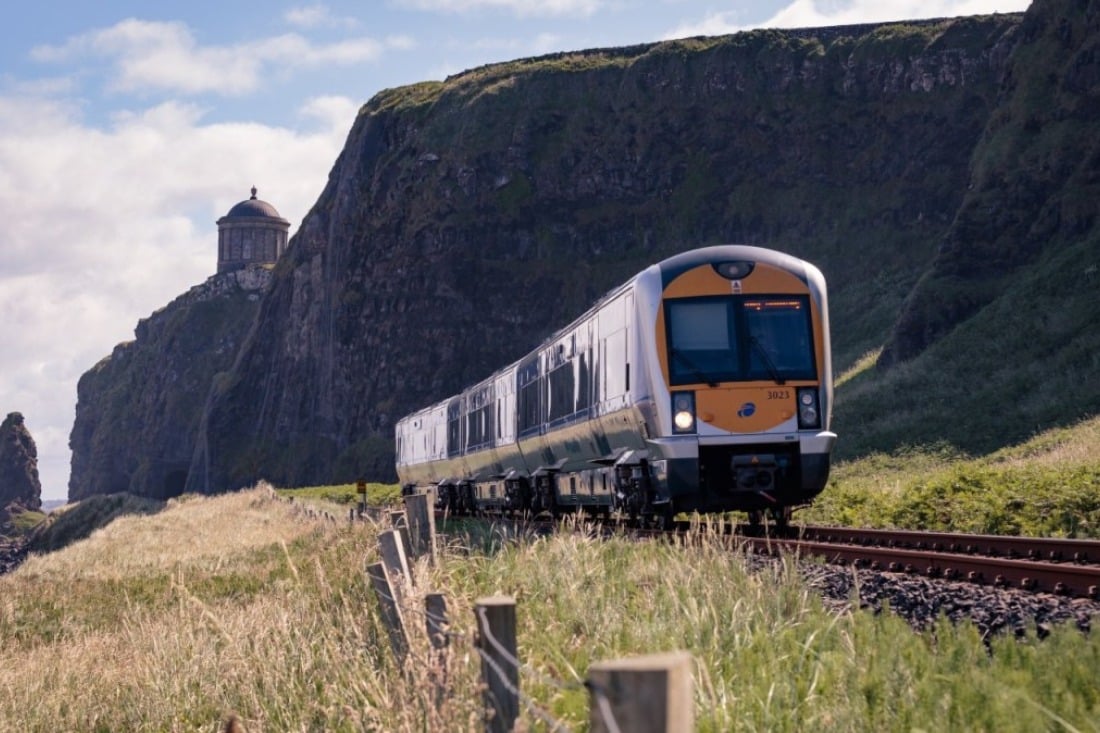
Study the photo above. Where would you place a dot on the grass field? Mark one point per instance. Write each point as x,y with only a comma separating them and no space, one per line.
1045,487
174,617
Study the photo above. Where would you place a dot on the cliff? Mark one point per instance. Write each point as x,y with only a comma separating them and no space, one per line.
1000,338
19,482
1034,183
139,409
466,219
942,174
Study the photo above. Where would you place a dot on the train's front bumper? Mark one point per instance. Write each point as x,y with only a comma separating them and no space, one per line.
741,472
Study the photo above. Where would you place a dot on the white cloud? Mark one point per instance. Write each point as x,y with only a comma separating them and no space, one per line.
46,86
165,56
401,42
317,16
579,8
818,13
104,226
334,112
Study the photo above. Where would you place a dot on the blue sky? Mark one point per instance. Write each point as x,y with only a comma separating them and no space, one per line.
128,128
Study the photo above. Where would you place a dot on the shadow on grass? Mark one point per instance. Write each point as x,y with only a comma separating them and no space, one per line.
70,524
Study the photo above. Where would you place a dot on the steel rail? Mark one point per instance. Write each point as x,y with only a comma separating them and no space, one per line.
1011,546
1061,578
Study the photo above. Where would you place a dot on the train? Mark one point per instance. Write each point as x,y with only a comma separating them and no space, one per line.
702,384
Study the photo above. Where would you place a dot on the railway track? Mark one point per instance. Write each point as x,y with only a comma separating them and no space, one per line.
1066,567
1060,566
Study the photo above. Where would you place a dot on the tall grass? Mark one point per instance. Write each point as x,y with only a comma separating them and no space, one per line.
245,604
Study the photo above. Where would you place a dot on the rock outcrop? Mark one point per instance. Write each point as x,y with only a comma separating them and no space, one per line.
19,484
139,410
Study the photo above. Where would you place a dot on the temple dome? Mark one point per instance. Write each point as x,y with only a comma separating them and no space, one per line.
251,234
253,207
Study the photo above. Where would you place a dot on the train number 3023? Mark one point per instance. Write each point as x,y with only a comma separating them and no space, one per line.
779,394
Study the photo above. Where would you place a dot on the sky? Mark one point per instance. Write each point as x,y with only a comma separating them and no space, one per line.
128,128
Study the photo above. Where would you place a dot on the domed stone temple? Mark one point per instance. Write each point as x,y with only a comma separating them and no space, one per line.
252,233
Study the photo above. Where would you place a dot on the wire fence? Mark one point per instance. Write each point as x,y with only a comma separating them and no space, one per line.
648,694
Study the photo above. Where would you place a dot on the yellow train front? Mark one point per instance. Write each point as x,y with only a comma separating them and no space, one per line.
736,341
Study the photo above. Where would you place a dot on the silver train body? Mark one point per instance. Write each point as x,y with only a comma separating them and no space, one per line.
704,383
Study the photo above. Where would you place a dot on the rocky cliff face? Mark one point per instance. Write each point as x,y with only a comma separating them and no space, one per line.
464,220
1034,184
19,482
139,409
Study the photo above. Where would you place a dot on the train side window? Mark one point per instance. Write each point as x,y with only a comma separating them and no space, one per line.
615,360
583,379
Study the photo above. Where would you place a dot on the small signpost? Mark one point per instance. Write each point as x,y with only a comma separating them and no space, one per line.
361,490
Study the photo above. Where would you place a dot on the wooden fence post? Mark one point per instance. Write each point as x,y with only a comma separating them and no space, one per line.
401,526
393,555
438,624
496,643
435,608
647,694
391,612
421,521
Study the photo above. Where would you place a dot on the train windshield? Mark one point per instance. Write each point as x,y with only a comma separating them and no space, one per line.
739,338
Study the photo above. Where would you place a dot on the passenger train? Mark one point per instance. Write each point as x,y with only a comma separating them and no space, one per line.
702,384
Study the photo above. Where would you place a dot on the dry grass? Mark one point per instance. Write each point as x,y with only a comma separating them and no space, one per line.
862,365
1071,447
244,604
195,531
240,604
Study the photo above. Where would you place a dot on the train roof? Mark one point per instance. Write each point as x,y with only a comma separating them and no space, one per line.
669,267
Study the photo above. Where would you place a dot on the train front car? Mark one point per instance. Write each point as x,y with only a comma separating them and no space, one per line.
736,341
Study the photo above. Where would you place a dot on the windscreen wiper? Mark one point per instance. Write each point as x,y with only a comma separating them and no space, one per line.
767,361
695,371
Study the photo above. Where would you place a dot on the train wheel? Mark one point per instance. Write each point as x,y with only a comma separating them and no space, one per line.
781,517
664,516
661,518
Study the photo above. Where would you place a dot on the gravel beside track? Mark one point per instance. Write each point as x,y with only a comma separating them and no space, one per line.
921,601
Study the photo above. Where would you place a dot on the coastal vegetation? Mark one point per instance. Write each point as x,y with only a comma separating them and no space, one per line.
253,606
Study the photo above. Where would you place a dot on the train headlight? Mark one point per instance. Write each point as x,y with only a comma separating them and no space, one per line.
809,416
683,412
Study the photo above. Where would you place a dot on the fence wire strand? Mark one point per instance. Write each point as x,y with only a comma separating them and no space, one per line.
540,676
438,621
604,704
533,707
601,699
